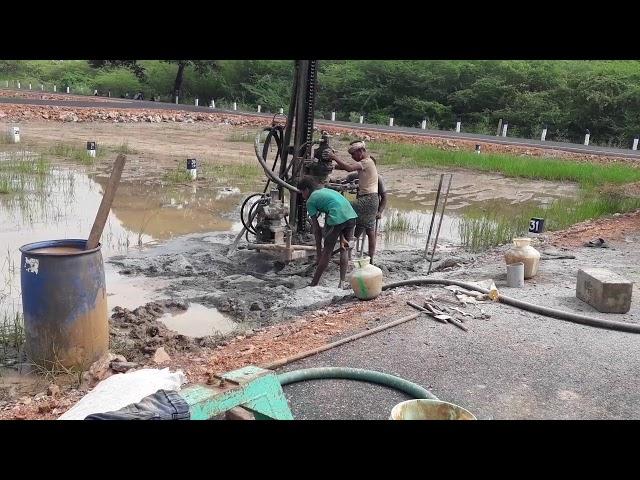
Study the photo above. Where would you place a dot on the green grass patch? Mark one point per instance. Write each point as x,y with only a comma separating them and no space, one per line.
20,171
241,136
74,153
242,171
479,232
586,174
11,334
123,148
400,222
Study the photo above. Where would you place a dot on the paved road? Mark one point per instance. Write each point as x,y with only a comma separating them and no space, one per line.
125,103
515,365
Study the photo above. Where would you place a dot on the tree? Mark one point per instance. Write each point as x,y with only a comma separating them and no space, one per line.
201,67
132,65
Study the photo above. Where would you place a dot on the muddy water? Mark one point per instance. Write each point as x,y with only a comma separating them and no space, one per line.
141,216
412,196
199,321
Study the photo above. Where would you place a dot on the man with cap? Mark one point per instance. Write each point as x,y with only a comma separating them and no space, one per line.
367,201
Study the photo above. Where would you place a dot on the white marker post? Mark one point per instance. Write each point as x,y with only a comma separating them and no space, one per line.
391,121
109,94
95,93
504,129
282,111
478,148
458,124
29,86
635,143
361,118
191,168
14,134
177,98
54,88
196,102
587,137
423,126
67,89
91,149
42,87
213,103
333,116
259,108
543,137
235,106
18,84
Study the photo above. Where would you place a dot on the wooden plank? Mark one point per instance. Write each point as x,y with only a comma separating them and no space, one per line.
105,205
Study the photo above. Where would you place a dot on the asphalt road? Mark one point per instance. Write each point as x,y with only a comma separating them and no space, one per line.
515,365
77,101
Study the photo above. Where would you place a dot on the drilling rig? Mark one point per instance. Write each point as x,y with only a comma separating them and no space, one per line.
277,217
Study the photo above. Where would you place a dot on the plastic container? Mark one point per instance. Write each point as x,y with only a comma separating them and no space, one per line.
64,300
525,253
366,279
424,409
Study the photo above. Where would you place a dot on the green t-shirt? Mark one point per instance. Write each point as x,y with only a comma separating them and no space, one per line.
337,208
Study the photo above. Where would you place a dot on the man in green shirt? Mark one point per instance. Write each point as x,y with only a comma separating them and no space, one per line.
340,221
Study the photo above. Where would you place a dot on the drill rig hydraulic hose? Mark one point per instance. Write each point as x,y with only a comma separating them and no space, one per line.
271,175
549,312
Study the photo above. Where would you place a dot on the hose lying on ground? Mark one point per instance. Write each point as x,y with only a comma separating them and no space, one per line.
547,311
358,374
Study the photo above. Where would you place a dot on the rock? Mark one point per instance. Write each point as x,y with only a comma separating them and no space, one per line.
256,306
53,390
160,356
101,369
25,400
122,367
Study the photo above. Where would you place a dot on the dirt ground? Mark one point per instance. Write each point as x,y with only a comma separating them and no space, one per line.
280,315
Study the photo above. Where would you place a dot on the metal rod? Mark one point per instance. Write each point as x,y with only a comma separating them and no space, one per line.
435,245
433,215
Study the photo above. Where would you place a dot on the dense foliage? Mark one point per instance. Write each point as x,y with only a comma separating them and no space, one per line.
569,96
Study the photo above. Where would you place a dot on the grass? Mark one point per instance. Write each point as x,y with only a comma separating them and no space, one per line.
238,171
241,136
75,153
479,232
124,149
400,222
19,171
586,174
11,334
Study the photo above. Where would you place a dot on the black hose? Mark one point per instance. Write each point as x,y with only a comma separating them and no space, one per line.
244,224
549,312
271,175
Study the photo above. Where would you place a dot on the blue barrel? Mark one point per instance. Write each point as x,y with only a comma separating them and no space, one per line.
64,301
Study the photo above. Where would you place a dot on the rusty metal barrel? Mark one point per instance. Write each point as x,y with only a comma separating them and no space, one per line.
64,301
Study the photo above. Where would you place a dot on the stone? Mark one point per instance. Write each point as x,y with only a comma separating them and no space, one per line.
53,390
101,369
161,356
604,290
122,367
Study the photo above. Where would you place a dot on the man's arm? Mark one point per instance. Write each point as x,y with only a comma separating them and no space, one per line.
349,167
317,233
382,193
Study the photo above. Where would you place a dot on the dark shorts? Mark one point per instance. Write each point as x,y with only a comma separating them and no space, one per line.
366,206
332,232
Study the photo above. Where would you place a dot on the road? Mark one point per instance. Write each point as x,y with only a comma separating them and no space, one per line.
122,103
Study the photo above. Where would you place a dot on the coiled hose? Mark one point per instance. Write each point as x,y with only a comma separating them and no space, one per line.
547,311
270,174
358,374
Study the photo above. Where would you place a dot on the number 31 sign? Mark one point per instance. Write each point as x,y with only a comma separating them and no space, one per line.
536,225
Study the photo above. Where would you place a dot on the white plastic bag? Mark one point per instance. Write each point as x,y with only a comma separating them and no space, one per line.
121,390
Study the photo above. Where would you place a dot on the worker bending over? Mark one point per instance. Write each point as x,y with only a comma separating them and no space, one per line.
339,221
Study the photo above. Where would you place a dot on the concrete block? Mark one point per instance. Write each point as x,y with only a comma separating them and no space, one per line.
604,290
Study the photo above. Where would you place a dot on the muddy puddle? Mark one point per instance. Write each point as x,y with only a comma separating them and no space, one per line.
198,321
63,203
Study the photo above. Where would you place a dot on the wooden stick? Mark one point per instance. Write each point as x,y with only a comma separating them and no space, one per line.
105,204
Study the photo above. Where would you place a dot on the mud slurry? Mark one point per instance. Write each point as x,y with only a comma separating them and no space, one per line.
253,289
